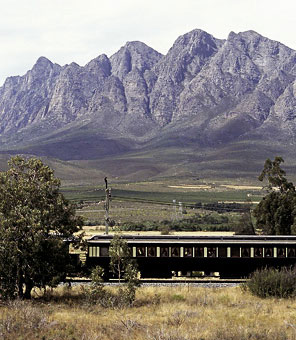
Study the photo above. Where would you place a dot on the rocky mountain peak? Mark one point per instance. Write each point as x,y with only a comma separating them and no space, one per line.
190,52
133,55
100,65
222,90
42,70
196,37
43,62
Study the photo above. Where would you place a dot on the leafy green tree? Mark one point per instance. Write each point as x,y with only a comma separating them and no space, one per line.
119,253
95,292
132,283
123,266
34,218
245,225
275,175
276,212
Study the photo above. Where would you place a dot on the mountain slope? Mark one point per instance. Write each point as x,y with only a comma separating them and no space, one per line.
204,93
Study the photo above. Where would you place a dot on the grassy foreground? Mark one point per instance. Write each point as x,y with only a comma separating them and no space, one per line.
159,313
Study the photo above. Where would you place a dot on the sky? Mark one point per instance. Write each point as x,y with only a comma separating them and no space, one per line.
68,31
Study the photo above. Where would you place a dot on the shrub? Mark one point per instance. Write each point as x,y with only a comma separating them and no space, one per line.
165,230
272,282
22,320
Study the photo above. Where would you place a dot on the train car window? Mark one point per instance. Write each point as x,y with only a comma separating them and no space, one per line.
211,251
235,252
164,251
246,252
281,252
291,252
268,252
104,251
140,251
188,251
151,251
222,251
199,252
258,252
175,251
93,251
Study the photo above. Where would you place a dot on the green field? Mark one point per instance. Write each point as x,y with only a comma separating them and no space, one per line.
145,181
152,202
167,191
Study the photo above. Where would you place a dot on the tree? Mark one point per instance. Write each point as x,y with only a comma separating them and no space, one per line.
122,265
245,225
276,212
119,253
34,218
275,175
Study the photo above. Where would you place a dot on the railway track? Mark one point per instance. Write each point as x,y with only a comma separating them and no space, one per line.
179,281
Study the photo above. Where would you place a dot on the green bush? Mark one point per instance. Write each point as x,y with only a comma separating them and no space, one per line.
208,222
272,282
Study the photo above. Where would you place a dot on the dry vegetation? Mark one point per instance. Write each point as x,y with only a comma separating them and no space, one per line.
129,211
140,202
159,313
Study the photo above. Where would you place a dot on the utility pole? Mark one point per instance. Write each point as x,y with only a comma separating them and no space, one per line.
181,209
174,210
107,204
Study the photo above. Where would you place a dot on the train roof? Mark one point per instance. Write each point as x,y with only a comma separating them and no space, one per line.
103,238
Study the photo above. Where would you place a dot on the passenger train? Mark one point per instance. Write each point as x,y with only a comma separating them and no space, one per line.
167,256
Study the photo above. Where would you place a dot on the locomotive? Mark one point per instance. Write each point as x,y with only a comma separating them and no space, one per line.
167,256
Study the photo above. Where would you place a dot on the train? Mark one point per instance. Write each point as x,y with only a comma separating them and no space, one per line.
169,256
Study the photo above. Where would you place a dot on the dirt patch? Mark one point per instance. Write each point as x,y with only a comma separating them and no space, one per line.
198,187
241,187
156,233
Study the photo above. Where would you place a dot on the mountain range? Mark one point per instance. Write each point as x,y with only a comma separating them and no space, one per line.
206,99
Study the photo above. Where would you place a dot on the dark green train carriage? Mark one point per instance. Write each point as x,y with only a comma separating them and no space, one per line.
168,256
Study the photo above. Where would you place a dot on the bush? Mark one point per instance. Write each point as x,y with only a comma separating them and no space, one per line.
272,282
22,320
165,230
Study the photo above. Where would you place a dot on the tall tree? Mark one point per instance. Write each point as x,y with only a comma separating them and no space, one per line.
120,256
276,212
245,224
123,266
34,219
275,175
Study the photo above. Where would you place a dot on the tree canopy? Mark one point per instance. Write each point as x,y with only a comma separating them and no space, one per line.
276,212
34,218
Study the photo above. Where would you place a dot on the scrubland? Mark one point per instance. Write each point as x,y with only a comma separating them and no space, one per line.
158,313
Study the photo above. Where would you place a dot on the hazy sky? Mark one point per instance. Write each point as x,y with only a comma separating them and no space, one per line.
80,30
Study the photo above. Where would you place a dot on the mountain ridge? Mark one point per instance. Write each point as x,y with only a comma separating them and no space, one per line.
204,92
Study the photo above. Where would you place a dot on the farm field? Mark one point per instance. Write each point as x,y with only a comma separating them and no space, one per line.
159,313
140,202
167,190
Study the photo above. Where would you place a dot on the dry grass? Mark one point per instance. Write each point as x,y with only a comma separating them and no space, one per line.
159,313
196,187
130,211
90,231
242,187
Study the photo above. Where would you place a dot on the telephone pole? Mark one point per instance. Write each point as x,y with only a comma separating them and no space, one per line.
107,205
181,209
174,215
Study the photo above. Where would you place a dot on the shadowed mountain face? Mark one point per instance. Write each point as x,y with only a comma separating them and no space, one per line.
204,92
